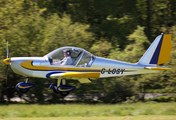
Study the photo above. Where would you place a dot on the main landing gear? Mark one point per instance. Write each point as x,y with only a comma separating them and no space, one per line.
61,87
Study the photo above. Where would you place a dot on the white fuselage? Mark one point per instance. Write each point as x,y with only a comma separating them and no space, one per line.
40,67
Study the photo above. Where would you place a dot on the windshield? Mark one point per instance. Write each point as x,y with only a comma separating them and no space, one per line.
86,60
71,56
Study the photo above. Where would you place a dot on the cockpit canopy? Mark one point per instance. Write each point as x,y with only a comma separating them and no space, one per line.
79,57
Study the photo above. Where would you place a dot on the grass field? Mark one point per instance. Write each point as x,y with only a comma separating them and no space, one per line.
137,111
153,117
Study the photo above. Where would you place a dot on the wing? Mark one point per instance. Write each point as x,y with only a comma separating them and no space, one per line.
81,76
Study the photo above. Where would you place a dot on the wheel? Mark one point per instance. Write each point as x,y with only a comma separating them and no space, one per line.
64,93
55,91
24,90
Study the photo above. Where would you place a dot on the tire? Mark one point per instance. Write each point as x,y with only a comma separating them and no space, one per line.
24,90
55,91
64,93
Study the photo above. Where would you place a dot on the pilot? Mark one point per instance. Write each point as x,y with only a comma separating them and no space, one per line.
67,58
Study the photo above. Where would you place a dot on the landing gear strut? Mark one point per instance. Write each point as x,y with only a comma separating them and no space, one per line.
24,87
61,87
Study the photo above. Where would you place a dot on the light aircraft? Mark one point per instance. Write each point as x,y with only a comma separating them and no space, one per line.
84,65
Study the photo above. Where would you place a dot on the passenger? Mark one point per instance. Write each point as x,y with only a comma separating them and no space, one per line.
67,58
91,61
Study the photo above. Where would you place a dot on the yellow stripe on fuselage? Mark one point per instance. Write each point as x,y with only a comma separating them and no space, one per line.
165,50
28,65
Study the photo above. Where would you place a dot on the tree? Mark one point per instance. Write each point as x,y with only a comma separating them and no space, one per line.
61,32
138,44
29,34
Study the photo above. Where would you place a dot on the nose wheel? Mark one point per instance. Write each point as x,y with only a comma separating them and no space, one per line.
24,87
23,90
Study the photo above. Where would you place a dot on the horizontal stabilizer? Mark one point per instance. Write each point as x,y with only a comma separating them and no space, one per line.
158,68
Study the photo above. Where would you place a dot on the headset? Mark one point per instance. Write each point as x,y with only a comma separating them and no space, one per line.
68,52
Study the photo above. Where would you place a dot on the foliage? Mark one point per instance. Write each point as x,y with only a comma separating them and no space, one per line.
162,99
29,34
116,90
101,48
136,48
61,32
110,90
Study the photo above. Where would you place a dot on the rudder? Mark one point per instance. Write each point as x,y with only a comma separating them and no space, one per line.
166,48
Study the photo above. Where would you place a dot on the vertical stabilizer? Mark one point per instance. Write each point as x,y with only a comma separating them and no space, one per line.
158,52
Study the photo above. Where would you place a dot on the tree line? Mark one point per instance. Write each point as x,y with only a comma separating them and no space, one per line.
120,30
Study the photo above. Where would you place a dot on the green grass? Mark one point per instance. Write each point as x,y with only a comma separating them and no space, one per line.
86,111
153,117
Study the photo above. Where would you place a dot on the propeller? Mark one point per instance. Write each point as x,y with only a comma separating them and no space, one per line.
7,50
7,61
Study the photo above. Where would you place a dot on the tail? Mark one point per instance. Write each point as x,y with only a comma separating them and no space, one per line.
159,51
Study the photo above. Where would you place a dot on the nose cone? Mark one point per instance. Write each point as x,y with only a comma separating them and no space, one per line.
7,61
